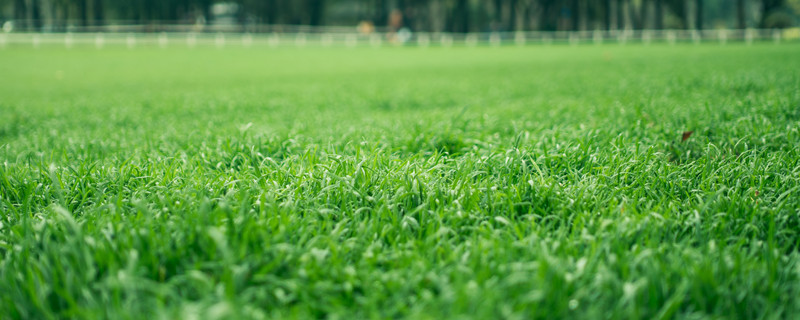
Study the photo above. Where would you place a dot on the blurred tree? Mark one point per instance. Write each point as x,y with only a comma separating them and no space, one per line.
698,15
795,5
774,15
658,14
741,18
613,20
420,15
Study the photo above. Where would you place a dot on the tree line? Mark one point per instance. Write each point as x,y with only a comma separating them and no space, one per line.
418,15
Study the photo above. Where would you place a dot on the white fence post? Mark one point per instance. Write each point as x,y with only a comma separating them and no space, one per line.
573,38
247,40
423,40
495,39
191,40
622,36
68,40
274,40
446,40
163,41
597,37
300,40
351,40
219,40
471,40
519,38
326,40
671,37
99,41
776,36
696,37
131,41
375,40
748,35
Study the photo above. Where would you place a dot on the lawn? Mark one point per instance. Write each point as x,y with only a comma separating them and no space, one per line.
541,182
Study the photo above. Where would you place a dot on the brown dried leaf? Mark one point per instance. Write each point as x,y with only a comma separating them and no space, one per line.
686,135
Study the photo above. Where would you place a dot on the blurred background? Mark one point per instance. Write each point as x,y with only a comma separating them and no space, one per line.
453,16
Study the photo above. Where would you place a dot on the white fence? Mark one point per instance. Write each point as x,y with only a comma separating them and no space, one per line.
354,39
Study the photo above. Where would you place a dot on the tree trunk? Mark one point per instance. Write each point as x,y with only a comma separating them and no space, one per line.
626,14
644,15
534,15
638,14
506,16
271,8
29,13
613,21
583,15
519,15
741,19
315,9
47,15
461,16
699,15
688,14
551,16
436,16
98,12
659,15
491,14
82,8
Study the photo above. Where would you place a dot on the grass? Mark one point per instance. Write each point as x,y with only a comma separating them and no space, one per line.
518,183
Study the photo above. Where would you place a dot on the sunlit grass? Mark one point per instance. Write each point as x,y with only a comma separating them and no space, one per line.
537,182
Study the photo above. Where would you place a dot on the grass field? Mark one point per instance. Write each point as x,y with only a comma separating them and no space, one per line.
519,183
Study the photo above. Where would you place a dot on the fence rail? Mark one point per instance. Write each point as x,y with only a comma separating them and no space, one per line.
354,39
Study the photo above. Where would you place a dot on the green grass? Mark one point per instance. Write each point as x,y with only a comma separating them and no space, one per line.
520,183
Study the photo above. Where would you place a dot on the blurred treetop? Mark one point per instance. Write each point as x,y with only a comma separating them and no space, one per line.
417,15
